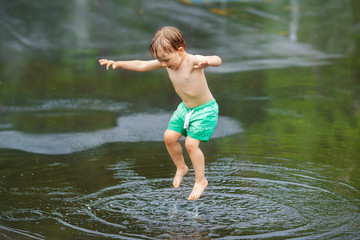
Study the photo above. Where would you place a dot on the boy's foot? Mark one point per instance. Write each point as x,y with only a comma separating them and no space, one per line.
179,176
198,190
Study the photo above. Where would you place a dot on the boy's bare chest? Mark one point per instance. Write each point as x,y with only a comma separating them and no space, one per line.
183,77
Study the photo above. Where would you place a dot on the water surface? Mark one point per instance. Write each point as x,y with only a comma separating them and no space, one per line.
81,151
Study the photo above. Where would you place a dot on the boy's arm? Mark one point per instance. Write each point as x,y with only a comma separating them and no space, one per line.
205,61
134,65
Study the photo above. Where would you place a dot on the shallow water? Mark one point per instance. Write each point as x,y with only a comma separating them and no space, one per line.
81,151
129,128
112,193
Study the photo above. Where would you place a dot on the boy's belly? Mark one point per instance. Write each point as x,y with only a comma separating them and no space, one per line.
193,91
194,100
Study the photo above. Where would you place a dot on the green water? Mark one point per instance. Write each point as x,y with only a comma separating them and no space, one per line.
81,151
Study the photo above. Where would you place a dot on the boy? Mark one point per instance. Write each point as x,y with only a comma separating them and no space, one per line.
197,115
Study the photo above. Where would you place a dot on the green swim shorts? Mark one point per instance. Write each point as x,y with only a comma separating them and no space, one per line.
198,122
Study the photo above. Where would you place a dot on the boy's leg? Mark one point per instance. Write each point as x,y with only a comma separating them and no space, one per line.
175,150
198,161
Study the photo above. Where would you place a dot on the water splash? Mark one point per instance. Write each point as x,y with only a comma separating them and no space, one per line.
196,212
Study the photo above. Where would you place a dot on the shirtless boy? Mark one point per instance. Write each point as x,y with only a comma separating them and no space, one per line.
197,115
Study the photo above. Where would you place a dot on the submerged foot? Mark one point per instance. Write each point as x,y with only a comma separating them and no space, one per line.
198,190
179,176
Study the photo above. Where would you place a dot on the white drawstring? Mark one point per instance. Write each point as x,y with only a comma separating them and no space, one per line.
187,120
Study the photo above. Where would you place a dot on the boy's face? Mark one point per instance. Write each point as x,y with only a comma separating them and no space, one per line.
172,59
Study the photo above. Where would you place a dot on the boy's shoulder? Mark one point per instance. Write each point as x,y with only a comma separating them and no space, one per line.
195,57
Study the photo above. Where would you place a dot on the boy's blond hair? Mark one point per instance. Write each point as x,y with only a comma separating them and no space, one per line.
167,39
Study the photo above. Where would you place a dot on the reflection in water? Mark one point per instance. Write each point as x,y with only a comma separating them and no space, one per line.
246,199
81,28
133,128
290,172
249,51
294,24
217,1
244,46
138,127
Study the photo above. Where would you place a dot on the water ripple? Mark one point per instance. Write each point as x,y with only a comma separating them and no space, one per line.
279,202
245,200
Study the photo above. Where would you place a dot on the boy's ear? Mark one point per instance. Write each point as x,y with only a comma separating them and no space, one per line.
181,50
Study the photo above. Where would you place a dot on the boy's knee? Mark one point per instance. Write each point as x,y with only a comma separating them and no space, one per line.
170,138
191,144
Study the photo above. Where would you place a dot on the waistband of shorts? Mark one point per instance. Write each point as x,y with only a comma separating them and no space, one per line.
209,103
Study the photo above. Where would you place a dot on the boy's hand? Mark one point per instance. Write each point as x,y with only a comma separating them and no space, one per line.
108,63
201,65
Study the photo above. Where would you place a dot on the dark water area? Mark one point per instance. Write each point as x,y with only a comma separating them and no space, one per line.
81,149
